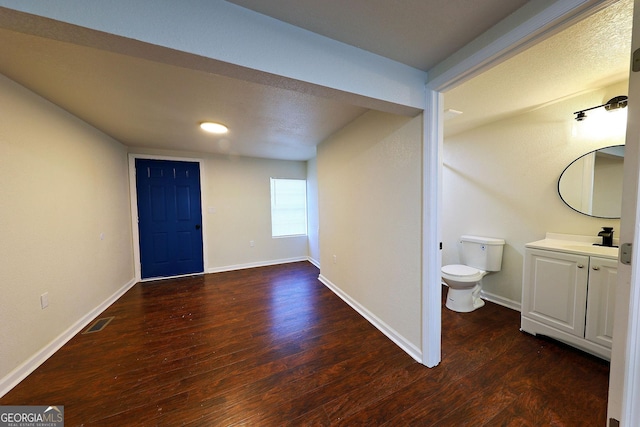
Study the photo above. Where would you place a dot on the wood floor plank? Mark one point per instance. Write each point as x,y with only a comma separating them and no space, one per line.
272,346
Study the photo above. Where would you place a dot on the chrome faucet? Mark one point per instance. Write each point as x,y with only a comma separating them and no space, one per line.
607,236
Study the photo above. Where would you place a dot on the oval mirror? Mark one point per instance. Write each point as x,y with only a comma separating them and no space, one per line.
592,184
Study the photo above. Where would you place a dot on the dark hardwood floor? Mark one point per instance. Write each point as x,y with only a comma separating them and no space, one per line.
272,346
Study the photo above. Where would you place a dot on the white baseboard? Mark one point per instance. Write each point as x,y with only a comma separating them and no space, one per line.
394,336
314,261
31,364
256,264
505,302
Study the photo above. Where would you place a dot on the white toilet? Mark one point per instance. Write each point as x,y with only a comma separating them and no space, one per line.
480,255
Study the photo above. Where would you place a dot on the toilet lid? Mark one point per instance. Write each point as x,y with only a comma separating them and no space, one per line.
462,271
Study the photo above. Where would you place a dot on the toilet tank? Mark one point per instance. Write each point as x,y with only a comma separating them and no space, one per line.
484,253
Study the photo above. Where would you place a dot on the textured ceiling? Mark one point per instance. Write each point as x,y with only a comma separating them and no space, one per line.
143,101
589,55
147,104
419,33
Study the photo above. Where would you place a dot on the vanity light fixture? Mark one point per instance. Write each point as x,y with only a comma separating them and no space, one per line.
213,127
612,104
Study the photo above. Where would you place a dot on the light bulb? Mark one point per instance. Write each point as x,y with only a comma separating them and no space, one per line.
214,127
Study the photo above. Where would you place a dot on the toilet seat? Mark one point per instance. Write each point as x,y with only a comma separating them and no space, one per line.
462,273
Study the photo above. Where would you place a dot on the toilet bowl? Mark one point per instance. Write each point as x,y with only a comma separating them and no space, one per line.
479,256
465,284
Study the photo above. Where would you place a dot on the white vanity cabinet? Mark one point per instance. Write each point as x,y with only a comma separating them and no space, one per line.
555,290
569,295
601,296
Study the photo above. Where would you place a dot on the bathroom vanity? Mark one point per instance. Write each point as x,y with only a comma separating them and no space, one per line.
569,288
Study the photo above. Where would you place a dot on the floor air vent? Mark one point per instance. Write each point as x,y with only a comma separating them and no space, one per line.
99,325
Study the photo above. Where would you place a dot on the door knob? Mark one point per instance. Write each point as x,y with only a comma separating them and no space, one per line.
197,226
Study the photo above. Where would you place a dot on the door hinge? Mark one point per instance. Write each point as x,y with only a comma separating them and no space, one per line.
635,60
626,250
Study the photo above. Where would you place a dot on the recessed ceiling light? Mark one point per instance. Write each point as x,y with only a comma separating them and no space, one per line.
214,127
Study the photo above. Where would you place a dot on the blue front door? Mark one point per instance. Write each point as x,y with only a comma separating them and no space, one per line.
169,217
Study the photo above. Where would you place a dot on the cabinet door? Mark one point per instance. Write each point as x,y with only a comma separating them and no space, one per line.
555,290
601,297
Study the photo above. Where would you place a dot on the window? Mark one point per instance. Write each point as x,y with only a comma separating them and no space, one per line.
288,207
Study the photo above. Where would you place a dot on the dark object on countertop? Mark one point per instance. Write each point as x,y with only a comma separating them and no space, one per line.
607,237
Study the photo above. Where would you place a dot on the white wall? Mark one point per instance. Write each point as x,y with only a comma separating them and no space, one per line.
239,190
369,196
313,224
62,184
500,180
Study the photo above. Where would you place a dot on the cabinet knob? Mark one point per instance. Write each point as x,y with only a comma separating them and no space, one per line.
595,267
580,266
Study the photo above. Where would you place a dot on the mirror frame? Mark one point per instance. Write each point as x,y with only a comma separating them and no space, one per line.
568,166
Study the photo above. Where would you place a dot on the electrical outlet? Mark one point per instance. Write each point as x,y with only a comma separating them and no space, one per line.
335,259
252,243
44,300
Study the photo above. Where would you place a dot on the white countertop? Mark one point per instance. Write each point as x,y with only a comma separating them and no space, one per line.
575,244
